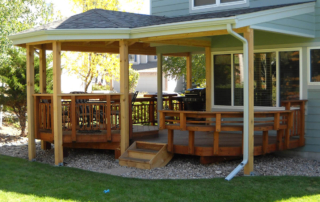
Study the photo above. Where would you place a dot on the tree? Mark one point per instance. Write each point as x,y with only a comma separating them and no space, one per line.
88,66
18,15
175,67
14,93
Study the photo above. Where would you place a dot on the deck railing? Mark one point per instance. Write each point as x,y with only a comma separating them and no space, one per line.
144,110
81,113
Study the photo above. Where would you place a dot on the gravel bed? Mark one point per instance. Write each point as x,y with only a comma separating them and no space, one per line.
181,166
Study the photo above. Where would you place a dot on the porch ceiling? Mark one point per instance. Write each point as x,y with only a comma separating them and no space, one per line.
96,28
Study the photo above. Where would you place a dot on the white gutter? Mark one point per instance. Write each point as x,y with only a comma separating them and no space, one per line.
245,101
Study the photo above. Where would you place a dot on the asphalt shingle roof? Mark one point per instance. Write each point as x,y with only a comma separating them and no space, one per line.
99,18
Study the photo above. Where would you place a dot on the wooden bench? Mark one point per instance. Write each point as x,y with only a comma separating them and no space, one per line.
216,122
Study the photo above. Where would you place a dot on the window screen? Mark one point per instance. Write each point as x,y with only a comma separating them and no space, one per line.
228,1
204,2
238,79
265,79
315,65
289,75
222,79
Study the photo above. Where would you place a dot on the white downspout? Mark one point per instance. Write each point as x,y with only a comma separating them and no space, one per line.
245,101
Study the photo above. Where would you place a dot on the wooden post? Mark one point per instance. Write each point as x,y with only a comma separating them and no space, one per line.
30,104
302,119
159,85
73,119
43,83
215,143
208,79
250,38
170,140
265,142
191,143
189,71
124,98
57,110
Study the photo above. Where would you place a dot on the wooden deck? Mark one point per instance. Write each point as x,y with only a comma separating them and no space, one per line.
230,144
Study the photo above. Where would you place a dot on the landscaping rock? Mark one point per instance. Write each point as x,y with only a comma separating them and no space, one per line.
180,167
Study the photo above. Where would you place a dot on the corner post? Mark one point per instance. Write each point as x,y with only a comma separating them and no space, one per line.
124,98
208,79
189,70
43,84
249,36
30,102
159,86
57,110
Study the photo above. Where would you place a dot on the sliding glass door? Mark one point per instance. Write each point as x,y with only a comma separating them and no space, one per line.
228,78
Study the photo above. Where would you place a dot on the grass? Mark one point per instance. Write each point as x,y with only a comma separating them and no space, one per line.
21,180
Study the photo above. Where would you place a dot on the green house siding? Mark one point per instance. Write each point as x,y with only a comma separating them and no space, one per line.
170,7
313,122
181,7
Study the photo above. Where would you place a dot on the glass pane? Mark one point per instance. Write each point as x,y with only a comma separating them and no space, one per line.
238,79
228,1
289,75
204,2
265,79
315,66
222,79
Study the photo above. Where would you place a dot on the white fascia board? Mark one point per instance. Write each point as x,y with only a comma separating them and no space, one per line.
70,34
182,27
257,27
274,14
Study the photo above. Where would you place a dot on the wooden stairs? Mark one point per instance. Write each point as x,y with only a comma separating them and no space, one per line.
146,155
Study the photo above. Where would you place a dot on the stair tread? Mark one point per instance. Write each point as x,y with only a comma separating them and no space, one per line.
134,159
144,150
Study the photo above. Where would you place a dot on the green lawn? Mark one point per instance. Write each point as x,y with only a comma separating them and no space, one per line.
21,180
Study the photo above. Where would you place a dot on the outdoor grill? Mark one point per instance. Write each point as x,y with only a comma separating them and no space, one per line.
195,99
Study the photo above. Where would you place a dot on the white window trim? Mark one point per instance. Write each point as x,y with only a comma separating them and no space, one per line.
311,83
218,4
277,72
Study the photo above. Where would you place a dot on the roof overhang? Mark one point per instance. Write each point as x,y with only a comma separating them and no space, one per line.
186,27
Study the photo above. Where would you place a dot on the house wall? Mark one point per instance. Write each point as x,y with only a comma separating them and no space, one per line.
172,8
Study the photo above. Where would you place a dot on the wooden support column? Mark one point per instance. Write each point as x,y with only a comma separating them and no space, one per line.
57,110
208,79
265,142
159,85
43,84
189,71
250,38
124,98
30,102
191,143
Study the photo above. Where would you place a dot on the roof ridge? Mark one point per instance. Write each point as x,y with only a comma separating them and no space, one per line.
96,11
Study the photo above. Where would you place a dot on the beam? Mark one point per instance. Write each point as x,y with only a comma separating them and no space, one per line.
186,42
124,90
57,116
249,36
159,85
208,79
30,102
189,71
189,35
42,85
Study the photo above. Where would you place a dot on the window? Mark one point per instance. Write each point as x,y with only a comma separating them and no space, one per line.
315,65
215,3
269,88
133,58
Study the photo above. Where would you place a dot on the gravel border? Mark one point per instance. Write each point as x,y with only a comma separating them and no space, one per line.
180,167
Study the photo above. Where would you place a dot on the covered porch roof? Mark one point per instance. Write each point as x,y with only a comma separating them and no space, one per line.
104,25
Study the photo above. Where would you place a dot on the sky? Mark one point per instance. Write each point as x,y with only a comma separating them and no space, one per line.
66,8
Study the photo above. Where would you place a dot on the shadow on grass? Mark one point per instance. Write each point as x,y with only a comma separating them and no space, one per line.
41,180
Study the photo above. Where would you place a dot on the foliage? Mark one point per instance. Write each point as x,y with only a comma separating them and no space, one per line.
31,181
18,15
175,67
14,92
114,5
133,79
